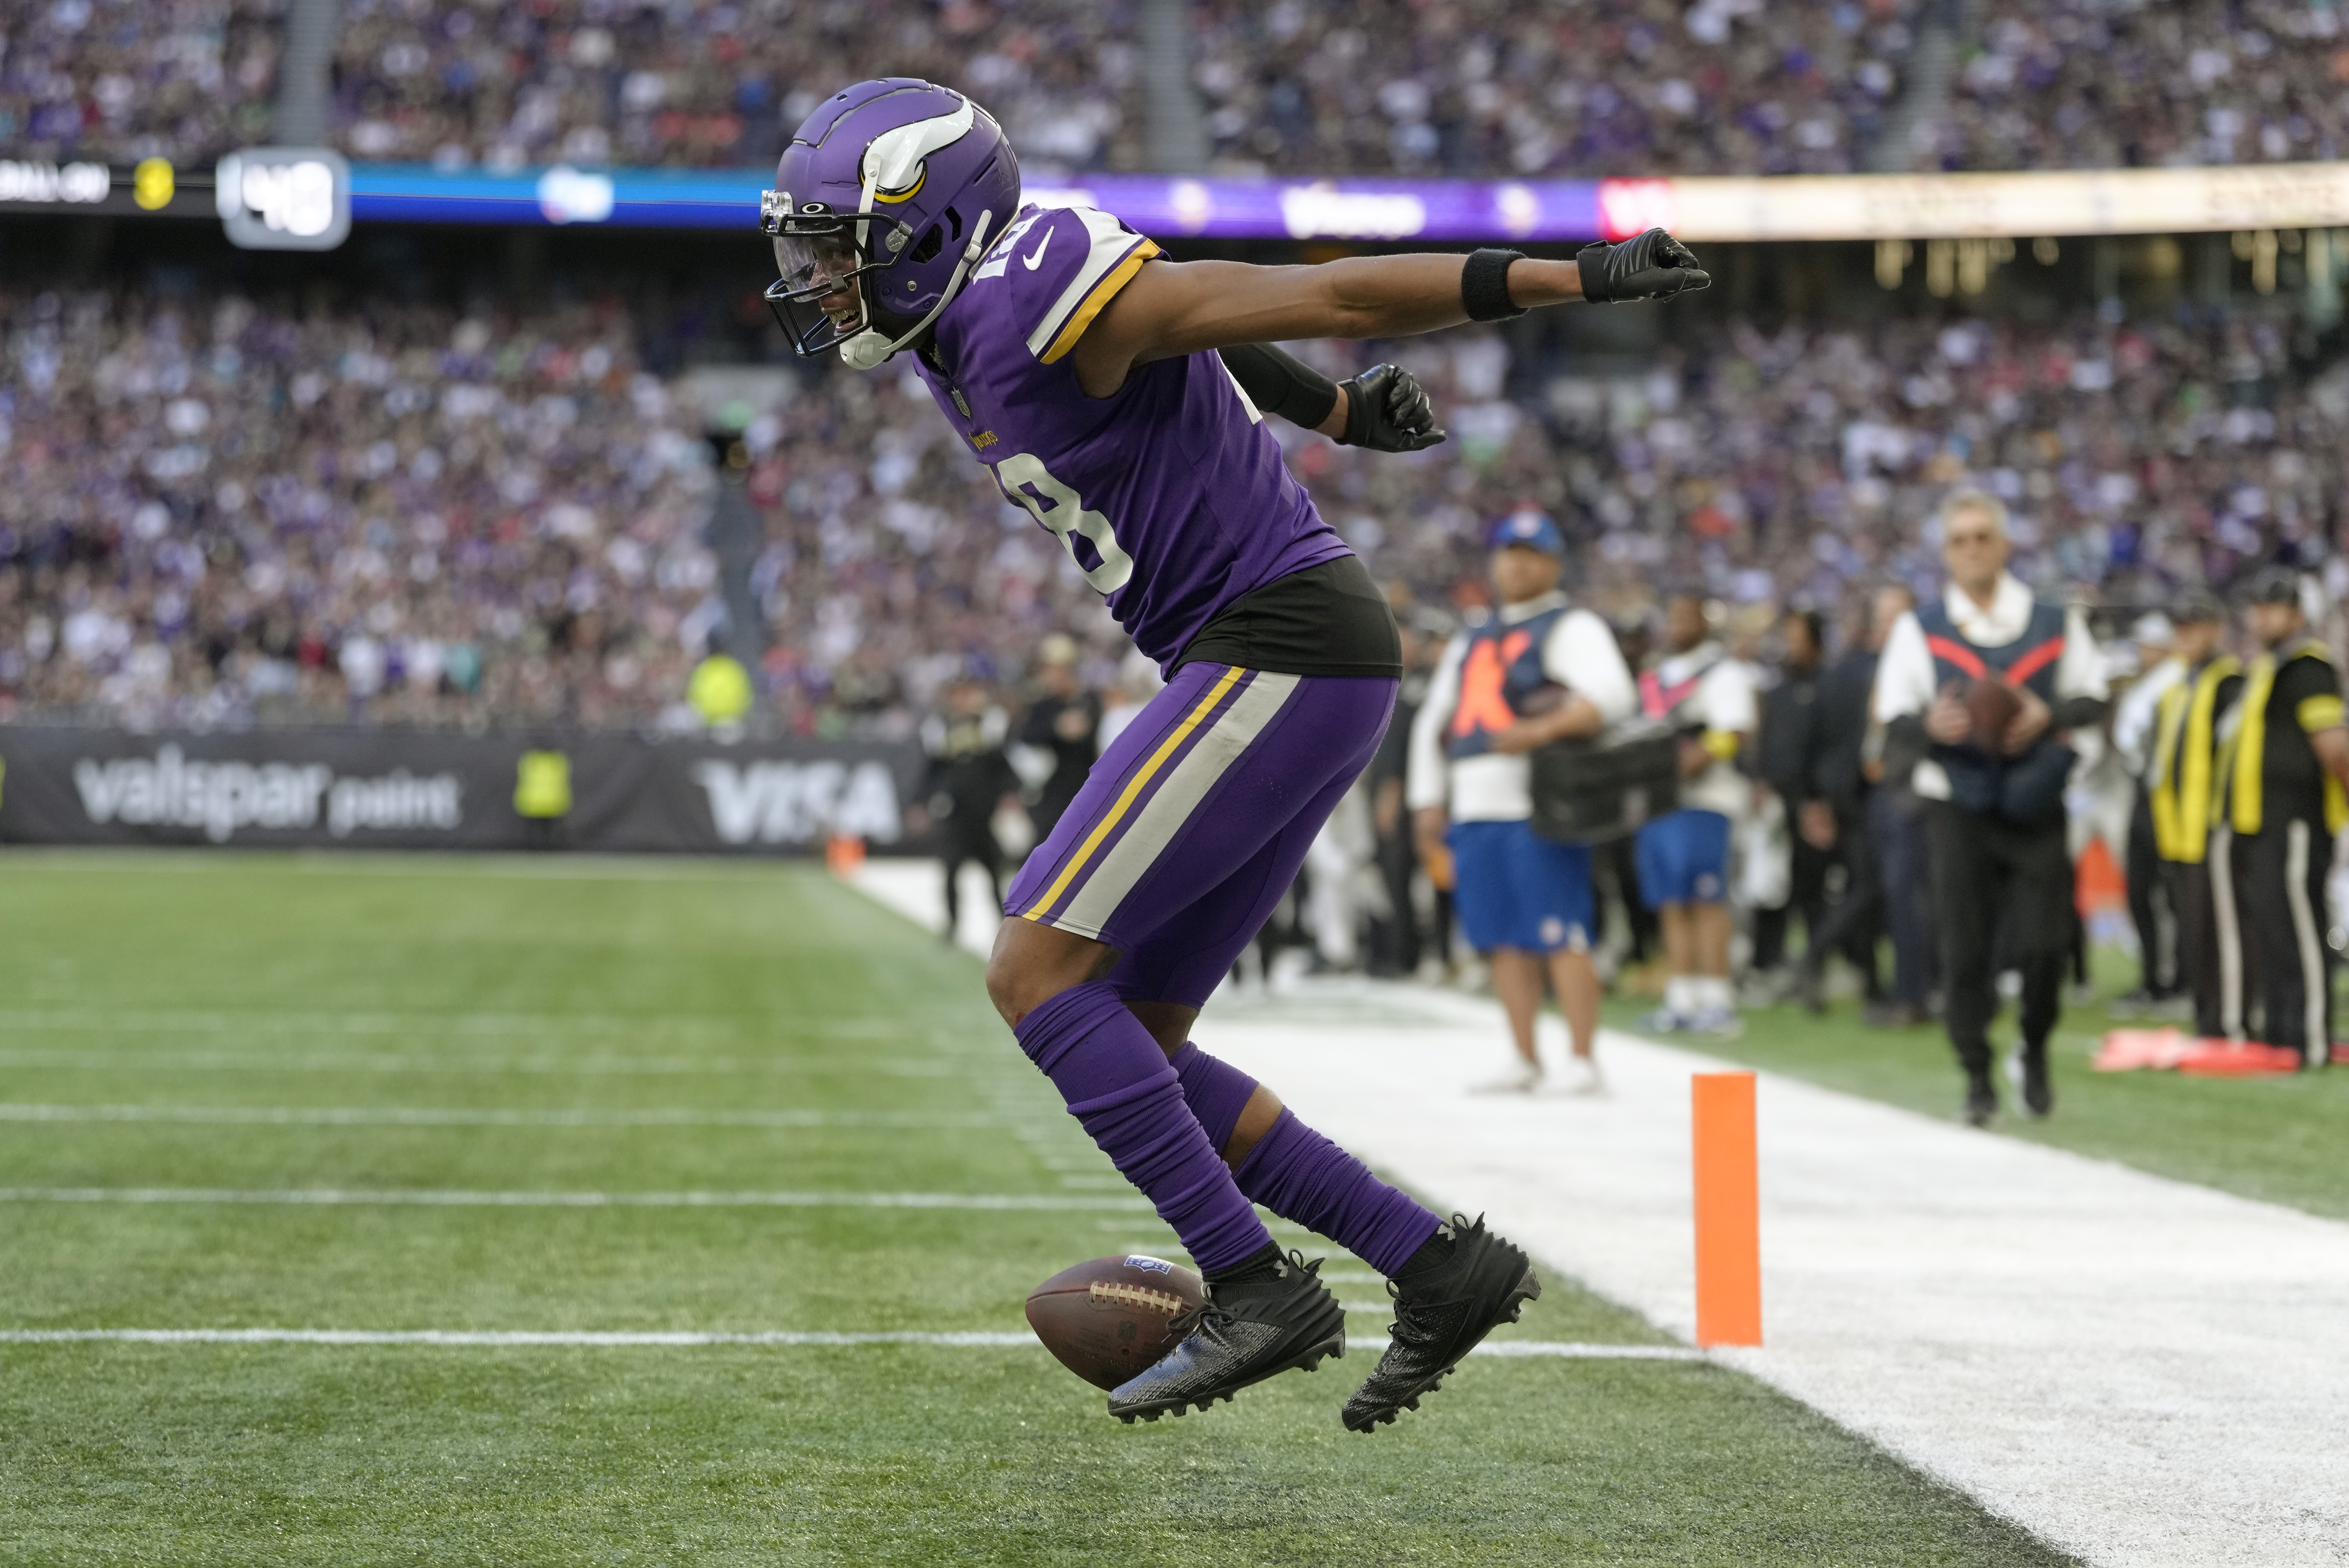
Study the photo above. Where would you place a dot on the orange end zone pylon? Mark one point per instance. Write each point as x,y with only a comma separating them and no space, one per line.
845,854
1728,1210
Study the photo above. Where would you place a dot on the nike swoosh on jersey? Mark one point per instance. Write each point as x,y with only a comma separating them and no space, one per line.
1035,257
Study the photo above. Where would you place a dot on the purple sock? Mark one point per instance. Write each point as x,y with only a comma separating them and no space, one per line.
1303,1177
1216,1091
1121,1090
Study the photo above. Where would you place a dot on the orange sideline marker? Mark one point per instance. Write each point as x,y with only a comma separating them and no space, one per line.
1728,1210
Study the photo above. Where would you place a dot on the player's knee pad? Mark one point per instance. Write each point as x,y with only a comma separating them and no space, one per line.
1216,1091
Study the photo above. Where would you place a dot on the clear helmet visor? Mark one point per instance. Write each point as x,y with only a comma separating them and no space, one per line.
813,265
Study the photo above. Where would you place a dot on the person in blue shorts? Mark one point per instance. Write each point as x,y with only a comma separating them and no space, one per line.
1683,855
1537,670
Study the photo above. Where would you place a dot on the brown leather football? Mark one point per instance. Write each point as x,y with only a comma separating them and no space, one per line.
1991,705
1546,697
1106,1320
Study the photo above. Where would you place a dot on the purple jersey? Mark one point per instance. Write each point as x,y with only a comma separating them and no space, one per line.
1170,494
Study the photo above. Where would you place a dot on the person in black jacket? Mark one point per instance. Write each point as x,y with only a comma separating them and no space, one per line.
968,778
1062,721
1834,819
1786,753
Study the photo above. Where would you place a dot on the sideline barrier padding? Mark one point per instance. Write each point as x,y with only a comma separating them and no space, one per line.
421,790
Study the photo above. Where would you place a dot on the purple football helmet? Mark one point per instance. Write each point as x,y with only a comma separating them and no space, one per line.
883,203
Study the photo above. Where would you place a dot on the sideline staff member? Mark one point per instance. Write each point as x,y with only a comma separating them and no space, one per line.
1523,900
2183,788
2286,801
1995,824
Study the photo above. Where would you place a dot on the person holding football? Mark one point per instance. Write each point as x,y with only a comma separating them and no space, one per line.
1118,397
1984,683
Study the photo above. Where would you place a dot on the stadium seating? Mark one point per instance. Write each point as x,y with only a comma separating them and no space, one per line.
448,520
592,82
117,80
1497,89
2086,84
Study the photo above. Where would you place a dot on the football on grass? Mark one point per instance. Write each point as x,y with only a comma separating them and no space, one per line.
1106,1320
1991,705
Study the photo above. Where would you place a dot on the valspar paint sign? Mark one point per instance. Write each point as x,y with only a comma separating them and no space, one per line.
220,798
386,789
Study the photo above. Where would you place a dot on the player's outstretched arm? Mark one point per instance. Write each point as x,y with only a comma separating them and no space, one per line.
1174,308
1384,408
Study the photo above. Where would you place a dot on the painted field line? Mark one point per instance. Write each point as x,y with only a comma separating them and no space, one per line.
187,1022
382,1062
456,1198
500,1339
433,1116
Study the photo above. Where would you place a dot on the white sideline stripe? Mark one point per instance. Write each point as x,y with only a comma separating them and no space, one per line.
455,1198
434,1116
497,1340
2069,1340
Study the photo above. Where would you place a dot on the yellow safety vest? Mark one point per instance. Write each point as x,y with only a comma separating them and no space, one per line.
2248,799
2182,805
542,786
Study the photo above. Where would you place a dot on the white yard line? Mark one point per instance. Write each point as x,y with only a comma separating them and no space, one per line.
2143,1372
103,1060
438,1198
458,1115
183,1021
504,1339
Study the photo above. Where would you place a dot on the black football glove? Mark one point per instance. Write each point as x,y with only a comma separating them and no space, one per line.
1387,410
1653,266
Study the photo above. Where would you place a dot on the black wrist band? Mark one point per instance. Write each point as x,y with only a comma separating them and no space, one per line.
1484,286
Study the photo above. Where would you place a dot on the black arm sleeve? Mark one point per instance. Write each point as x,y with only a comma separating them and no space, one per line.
2077,713
1282,384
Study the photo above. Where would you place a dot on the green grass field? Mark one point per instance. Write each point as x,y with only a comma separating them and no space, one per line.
2275,1139
262,1024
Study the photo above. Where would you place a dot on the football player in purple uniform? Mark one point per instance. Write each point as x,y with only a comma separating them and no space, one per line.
1082,367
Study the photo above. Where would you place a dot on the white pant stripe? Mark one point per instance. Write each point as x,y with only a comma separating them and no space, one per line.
2306,935
2218,862
1226,736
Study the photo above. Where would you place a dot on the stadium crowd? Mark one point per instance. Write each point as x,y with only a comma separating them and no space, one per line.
1500,89
227,511
117,80
2091,84
220,512
710,84
1483,88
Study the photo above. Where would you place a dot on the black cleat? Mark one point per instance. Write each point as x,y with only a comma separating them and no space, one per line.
1440,1317
1243,1333
2038,1094
1982,1101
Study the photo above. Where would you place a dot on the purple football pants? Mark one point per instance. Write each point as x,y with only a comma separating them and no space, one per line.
1185,835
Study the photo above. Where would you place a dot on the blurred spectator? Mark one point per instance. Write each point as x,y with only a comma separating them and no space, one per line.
1501,88
1787,753
705,83
2092,84
1060,726
968,779
1834,820
114,81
